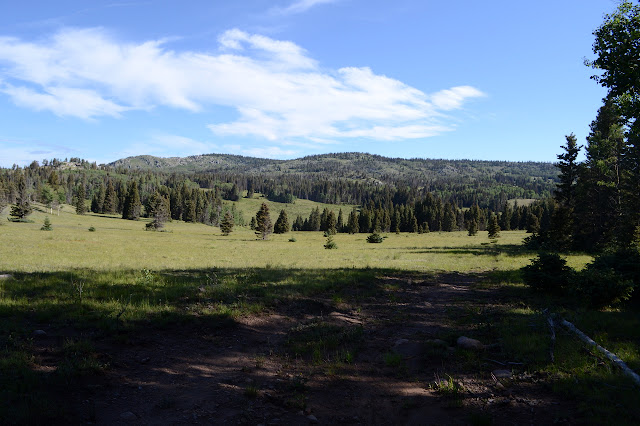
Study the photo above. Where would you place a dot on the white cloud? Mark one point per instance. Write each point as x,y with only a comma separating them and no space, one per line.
278,91
268,152
300,6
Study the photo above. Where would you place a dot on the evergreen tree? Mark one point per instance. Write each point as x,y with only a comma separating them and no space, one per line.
264,226
132,205
158,210
492,227
47,224
331,223
472,227
282,223
353,223
340,222
226,225
81,207
250,189
252,224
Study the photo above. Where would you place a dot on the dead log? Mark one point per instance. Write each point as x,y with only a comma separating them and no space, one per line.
613,357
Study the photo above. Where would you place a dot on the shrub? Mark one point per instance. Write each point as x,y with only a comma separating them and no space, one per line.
375,238
601,287
47,225
292,240
548,272
92,229
330,244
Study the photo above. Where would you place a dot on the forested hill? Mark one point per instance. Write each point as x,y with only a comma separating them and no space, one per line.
352,165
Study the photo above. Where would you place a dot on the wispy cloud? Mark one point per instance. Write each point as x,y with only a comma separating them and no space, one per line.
299,6
280,93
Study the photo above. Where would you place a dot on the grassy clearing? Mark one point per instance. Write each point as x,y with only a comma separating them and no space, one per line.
118,244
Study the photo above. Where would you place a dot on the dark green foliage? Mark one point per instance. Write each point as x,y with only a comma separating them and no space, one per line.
600,287
132,205
252,223
47,225
22,207
81,207
330,244
158,209
226,225
375,238
493,228
549,273
264,227
110,199
472,228
282,223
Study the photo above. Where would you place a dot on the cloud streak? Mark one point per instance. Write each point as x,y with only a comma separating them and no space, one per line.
300,6
278,91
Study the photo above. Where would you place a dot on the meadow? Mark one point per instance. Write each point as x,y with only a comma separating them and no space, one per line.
313,321
117,244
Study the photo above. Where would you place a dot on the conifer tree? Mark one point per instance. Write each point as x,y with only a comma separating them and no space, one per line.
47,224
226,225
252,224
158,210
282,223
492,227
264,227
81,207
331,223
340,222
132,205
353,223
472,227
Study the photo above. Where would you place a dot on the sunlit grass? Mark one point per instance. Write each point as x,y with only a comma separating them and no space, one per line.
120,244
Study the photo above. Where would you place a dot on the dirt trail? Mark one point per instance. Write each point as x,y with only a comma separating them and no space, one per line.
248,373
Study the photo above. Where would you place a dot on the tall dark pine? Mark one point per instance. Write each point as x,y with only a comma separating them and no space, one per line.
282,223
81,207
132,205
110,199
264,227
492,227
22,208
226,225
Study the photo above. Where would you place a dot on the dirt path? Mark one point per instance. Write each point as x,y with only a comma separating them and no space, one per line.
391,348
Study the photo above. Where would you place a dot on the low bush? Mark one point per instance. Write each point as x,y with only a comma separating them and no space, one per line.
375,238
548,272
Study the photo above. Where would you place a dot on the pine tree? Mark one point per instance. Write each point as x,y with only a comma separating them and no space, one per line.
158,210
132,205
252,224
492,227
353,223
47,225
226,225
264,226
331,223
282,223
472,227
340,222
81,207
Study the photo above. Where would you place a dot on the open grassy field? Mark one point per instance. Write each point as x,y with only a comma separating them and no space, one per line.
121,244
188,326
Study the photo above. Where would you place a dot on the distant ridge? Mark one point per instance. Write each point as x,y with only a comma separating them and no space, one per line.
348,165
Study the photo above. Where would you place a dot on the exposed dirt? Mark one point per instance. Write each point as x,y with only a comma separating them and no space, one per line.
248,373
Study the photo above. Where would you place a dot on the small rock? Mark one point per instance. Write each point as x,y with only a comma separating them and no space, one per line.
145,360
40,333
502,374
312,419
5,276
468,343
401,342
128,415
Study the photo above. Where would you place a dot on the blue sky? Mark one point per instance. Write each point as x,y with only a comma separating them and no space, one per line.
103,80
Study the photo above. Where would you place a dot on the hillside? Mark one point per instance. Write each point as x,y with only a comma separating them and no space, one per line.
345,165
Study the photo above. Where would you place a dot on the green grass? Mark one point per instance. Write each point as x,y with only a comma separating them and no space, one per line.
120,244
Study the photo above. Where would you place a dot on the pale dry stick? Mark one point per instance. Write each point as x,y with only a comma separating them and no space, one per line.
553,335
613,357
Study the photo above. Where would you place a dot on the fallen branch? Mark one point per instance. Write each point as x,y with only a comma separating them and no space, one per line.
613,357
553,335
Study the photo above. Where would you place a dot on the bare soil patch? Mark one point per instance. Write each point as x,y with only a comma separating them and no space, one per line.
389,359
